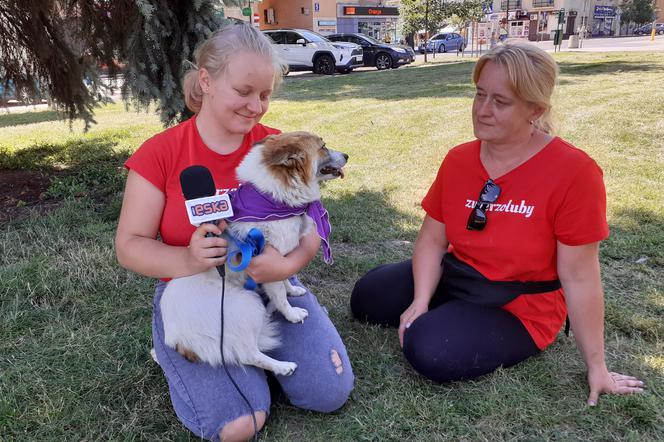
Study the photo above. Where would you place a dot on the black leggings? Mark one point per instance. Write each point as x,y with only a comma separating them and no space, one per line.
454,340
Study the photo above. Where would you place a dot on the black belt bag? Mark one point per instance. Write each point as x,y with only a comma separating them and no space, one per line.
464,282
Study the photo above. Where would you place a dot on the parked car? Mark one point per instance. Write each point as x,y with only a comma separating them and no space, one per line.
444,42
306,50
647,29
376,53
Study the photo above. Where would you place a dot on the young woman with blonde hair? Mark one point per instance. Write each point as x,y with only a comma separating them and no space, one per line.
236,71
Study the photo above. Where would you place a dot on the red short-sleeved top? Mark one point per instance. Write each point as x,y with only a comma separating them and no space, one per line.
557,195
162,158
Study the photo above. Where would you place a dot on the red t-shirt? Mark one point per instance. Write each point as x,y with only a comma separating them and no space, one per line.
557,195
163,157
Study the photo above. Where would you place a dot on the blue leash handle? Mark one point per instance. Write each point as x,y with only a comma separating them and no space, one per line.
240,252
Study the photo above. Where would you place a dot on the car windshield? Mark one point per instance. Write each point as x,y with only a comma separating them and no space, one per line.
313,37
439,37
370,39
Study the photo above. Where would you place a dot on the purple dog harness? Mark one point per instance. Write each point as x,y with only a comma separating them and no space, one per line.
250,204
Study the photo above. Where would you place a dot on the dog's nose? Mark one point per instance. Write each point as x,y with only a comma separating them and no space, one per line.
345,156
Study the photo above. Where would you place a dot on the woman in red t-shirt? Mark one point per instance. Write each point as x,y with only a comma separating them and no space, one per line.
493,276
229,91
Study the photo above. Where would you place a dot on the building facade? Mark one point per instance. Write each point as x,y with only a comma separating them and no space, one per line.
539,19
529,19
379,19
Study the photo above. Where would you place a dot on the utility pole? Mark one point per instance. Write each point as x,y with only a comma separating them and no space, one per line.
507,19
426,28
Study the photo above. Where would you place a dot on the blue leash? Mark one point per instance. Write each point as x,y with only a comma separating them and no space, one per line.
240,252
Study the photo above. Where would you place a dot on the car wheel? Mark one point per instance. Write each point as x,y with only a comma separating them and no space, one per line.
324,64
383,61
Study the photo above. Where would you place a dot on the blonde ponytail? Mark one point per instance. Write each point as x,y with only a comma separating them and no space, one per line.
193,93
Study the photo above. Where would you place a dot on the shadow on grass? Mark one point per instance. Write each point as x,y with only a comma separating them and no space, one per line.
637,233
633,262
367,230
609,66
439,80
430,81
22,118
84,165
368,216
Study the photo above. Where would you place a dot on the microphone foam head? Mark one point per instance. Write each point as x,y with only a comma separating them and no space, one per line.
197,182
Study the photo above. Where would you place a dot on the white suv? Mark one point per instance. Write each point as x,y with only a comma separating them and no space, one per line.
306,50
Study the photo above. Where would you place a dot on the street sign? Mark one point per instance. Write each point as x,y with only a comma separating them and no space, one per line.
316,6
602,11
246,12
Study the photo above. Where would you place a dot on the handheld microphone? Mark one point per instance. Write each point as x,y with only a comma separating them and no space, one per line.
201,201
203,205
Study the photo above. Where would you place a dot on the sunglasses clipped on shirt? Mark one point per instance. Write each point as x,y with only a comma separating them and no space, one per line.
489,194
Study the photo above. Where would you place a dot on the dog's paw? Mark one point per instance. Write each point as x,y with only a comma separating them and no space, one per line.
296,290
296,314
285,368
153,353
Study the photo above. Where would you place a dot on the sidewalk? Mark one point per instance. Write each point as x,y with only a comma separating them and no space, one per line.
597,44
608,44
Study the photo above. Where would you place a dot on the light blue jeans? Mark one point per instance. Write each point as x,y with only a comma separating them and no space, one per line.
205,399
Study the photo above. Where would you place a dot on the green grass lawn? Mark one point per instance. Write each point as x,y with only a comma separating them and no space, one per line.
75,327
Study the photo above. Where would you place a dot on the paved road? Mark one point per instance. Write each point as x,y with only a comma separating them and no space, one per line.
627,44
612,44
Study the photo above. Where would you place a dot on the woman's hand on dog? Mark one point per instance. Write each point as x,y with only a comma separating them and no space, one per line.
207,252
416,309
269,266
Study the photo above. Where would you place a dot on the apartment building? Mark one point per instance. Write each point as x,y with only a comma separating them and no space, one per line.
539,19
379,19
530,19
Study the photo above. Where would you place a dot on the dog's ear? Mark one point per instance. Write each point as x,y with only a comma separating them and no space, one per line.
284,151
286,155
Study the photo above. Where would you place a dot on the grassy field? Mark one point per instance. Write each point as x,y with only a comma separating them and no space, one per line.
75,328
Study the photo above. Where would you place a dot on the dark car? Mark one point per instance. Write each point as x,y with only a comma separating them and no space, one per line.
376,53
647,29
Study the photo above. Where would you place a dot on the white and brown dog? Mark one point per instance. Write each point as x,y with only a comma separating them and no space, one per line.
279,195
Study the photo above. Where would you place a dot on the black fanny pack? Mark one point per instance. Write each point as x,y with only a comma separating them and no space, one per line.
464,282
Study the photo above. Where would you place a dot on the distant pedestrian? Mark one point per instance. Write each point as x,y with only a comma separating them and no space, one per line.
503,34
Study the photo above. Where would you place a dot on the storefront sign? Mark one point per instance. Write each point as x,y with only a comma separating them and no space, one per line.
604,11
327,22
362,10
